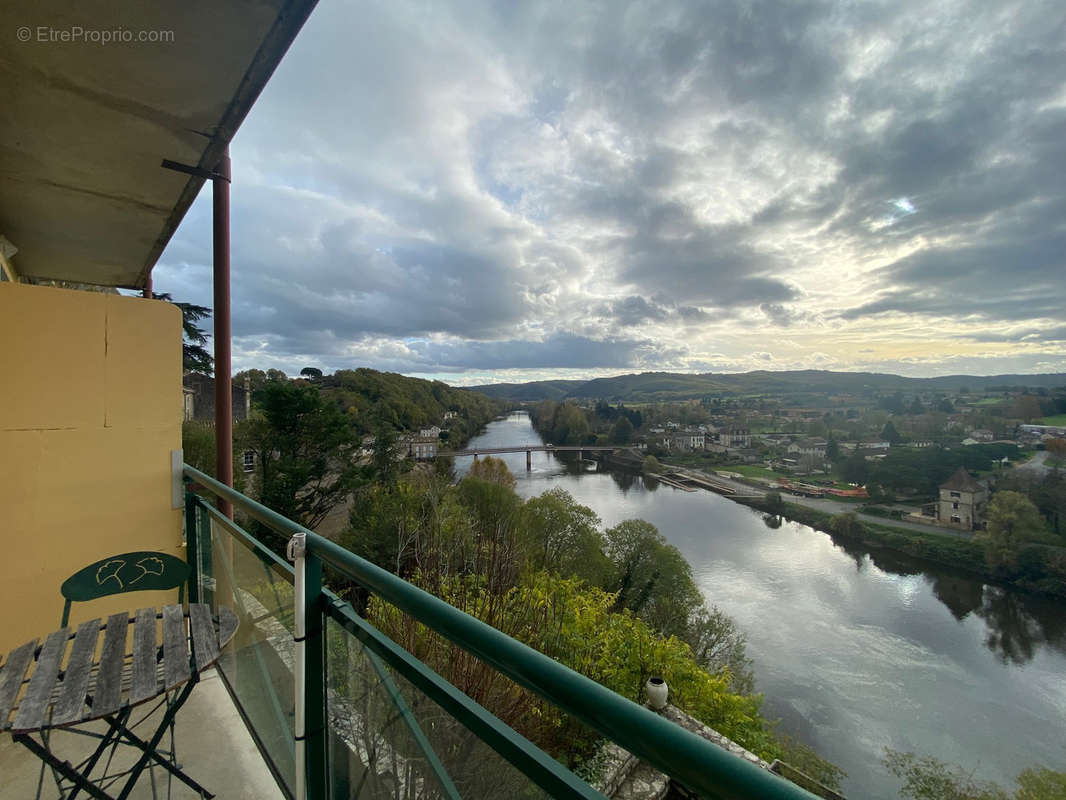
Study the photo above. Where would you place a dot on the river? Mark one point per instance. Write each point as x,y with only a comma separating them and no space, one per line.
854,651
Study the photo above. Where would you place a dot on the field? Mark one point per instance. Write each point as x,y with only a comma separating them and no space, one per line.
1058,419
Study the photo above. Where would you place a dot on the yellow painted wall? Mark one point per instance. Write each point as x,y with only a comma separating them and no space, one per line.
90,410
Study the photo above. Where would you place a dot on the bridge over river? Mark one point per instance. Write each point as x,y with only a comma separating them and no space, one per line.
530,449
689,480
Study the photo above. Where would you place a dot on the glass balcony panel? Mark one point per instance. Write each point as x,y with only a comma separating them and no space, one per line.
388,739
258,665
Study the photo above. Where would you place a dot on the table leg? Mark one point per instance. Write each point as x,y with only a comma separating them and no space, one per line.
135,741
149,749
107,740
63,767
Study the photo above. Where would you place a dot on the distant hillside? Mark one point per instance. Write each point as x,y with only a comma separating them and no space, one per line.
529,392
668,386
370,398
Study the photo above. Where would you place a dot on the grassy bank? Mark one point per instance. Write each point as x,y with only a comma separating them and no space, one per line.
1038,567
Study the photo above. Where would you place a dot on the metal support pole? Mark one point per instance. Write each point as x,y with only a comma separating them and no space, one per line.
147,290
309,677
529,460
192,544
223,371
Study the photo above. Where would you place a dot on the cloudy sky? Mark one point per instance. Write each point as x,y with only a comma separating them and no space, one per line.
512,191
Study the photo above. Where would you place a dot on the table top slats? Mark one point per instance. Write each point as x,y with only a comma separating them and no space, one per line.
68,707
144,683
204,643
175,647
107,696
14,671
86,690
34,703
227,626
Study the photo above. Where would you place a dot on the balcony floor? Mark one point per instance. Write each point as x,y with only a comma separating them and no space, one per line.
212,743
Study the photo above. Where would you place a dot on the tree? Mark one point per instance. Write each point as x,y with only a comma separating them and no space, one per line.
493,470
304,452
846,524
856,469
571,425
1057,447
890,434
563,537
651,577
194,356
926,778
256,379
651,465
774,502
917,407
622,431
1027,407
1040,783
893,403
1012,520
575,625
832,449
312,373
945,406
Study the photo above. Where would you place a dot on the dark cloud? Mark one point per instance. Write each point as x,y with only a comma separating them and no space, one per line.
495,185
635,310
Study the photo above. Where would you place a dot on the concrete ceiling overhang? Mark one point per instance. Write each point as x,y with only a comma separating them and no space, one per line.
86,123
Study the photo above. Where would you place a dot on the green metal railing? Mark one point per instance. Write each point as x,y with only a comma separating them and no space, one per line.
689,759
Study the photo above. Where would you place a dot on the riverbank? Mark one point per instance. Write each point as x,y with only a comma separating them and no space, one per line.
1038,569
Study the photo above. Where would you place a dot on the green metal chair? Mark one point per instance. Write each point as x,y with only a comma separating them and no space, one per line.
138,571
142,570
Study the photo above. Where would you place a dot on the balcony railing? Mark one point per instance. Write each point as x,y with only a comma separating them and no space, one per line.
339,710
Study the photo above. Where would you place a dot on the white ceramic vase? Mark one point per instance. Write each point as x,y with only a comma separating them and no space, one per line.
657,693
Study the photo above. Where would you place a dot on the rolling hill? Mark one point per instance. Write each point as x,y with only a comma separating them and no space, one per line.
669,386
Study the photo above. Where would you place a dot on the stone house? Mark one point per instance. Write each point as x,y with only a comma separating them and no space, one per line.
422,448
198,398
962,502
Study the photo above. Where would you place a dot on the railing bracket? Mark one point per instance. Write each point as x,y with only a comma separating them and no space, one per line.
297,546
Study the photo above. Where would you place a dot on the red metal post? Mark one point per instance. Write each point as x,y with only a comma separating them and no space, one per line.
223,371
147,291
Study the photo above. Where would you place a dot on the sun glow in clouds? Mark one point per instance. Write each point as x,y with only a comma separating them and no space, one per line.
904,206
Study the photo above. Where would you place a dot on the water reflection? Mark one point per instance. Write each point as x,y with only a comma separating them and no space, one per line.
1017,623
1017,626
772,521
624,480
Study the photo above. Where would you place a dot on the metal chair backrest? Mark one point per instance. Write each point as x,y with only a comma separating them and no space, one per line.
127,572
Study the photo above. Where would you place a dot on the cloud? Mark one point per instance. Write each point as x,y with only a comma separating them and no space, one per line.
453,186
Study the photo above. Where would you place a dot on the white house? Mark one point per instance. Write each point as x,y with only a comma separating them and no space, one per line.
688,440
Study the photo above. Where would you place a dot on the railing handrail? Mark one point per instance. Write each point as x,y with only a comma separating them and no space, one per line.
692,760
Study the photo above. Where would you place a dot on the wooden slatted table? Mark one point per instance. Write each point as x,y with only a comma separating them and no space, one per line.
42,687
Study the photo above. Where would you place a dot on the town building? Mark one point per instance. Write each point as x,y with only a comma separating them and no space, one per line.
812,448
688,440
422,448
962,502
735,437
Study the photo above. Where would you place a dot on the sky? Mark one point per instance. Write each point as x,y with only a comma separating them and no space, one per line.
483,192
